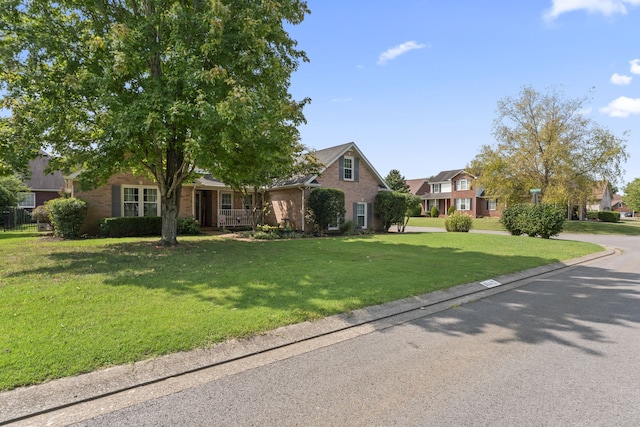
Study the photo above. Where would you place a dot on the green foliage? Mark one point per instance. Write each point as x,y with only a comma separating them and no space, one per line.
188,226
41,214
458,222
326,206
435,213
10,188
546,142
140,226
152,87
348,228
389,208
67,216
604,216
130,226
544,220
632,195
451,210
396,181
511,218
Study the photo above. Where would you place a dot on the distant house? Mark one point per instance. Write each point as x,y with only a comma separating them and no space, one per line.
458,188
601,198
214,204
42,186
419,187
618,205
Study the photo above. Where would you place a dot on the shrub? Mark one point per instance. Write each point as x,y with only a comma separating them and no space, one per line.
188,226
415,210
67,216
41,214
458,222
604,216
348,228
542,220
435,213
326,205
130,226
389,208
451,210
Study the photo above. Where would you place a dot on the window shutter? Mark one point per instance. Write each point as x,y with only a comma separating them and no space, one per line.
341,168
355,214
369,215
356,169
115,201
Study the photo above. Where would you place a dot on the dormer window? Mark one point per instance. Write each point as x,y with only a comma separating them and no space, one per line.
436,188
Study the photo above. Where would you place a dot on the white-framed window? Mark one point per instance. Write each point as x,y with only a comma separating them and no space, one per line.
347,165
361,215
140,201
226,201
27,200
492,205
436,188
463,204
462,184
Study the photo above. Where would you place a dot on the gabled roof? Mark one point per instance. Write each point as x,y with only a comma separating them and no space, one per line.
600,189
445,176
416,184
39,180
328,157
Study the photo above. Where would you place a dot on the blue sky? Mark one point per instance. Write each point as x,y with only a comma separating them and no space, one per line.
414,83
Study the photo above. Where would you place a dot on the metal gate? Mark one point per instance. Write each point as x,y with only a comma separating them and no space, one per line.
18,219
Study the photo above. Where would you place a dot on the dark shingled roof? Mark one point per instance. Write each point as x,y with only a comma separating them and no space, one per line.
41,181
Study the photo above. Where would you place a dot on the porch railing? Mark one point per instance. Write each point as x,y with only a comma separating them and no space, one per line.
228,218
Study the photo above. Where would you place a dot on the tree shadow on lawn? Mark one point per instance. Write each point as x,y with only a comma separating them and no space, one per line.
567,309
301,275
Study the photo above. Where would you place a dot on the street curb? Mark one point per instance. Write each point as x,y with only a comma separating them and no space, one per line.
25,402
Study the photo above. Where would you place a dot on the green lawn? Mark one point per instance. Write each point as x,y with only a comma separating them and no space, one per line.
627,226
68,307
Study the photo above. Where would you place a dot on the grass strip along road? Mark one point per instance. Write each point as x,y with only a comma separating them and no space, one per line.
68,307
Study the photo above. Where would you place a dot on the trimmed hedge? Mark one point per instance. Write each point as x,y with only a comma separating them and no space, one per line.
140,226
604,216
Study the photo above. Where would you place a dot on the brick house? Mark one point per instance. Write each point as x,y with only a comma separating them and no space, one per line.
214,204
457,188
346,168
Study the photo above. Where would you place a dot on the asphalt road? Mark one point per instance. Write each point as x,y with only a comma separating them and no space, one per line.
560,350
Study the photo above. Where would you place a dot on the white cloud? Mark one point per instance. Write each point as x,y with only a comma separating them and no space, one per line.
394,52
635,66
605,7
619,79
622,107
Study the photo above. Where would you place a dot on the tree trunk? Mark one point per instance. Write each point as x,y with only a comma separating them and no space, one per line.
170,209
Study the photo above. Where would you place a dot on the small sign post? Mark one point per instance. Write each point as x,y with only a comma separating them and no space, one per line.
535,192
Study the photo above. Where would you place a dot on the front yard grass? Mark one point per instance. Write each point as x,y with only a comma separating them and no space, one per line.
68,307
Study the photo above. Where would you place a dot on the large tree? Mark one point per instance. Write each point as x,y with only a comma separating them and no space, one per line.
160,87
546,142
632,195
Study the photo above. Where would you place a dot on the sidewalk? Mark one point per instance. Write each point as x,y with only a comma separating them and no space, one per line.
22,403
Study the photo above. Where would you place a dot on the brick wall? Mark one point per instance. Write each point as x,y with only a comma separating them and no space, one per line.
100,199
